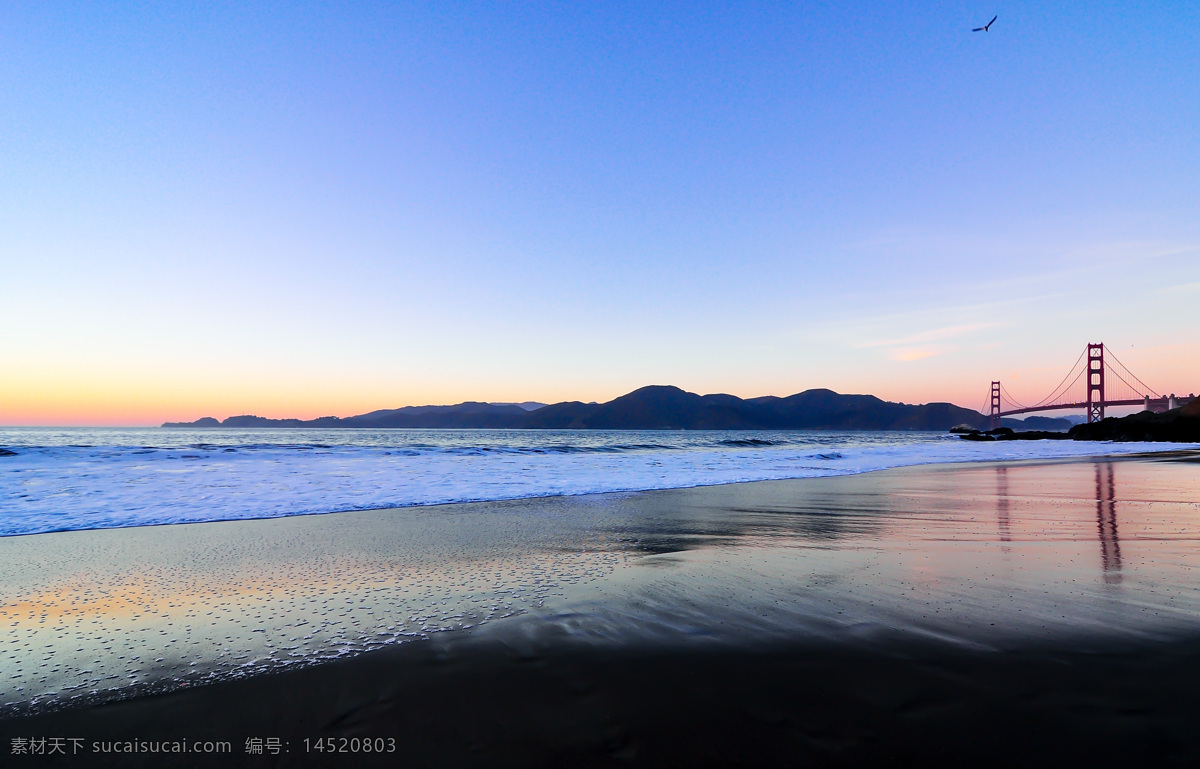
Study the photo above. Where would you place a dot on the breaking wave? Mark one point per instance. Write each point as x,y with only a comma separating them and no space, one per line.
59,479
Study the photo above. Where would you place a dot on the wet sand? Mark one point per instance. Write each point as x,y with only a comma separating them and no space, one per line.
1028,612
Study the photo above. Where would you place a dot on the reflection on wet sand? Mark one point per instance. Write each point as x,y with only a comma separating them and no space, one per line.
1106,521
911,551
1002,503
1106,516
93,615
981,555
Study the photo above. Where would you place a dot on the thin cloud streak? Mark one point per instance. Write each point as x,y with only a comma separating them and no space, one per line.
932,335
908,354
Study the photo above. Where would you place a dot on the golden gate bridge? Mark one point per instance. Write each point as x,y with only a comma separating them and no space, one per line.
1096,380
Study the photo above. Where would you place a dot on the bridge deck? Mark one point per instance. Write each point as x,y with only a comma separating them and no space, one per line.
1084,404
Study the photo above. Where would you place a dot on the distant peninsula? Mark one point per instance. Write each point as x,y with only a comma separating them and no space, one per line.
660,407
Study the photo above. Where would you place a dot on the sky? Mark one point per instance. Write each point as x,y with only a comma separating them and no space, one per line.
296,210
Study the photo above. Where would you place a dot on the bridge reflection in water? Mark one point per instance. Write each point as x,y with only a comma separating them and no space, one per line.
1106,522
1002,505
1106,517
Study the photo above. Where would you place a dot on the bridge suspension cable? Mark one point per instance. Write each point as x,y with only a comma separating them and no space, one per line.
1006,397
1061,396
1059,391
1143,391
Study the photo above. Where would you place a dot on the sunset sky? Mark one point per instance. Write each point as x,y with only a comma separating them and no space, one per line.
309,209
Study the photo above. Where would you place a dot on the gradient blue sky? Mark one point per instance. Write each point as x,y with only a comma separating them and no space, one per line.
307,209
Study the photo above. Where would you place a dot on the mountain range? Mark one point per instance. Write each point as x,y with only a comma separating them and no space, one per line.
661,407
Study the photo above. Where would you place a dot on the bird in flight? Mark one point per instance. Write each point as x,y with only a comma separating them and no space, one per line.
984,28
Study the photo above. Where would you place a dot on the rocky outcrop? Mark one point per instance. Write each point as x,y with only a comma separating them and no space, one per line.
1180,425
1008,434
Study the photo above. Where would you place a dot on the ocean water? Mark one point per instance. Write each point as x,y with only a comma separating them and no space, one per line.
75,479
98,612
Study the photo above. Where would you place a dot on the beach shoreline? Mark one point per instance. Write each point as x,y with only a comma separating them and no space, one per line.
96,479
766,623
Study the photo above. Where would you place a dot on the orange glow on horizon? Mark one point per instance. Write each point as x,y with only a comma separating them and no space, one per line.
63,397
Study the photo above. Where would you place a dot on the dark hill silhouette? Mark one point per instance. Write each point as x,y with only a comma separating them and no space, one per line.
471,414
1044,424
657,407
1178,425
464,415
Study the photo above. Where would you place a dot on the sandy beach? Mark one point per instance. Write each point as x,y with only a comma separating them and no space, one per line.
1031,612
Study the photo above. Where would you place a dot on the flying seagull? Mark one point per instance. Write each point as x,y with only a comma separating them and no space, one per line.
984,28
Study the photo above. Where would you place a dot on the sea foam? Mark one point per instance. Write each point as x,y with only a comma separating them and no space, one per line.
91,479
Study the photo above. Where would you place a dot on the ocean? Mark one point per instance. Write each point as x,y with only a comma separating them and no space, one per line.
66,479
101,601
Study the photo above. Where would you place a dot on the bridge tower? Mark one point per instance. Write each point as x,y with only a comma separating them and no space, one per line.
1095,382
995,414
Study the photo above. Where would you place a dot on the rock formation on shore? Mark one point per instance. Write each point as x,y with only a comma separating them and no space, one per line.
1180,425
